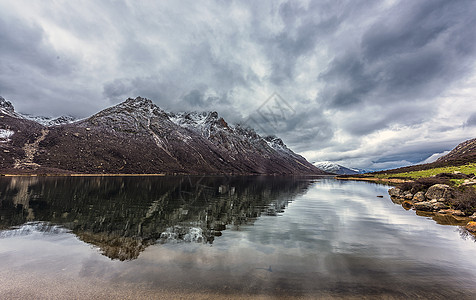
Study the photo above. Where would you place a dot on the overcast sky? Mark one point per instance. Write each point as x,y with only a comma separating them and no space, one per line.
370,84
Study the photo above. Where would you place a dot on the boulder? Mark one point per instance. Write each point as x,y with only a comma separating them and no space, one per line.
439,205
407,204
425,205
419,197
408,196
471,226
438,191
395,192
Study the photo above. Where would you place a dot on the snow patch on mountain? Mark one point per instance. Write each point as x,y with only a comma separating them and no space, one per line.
332,167
5,135
50,121
7,108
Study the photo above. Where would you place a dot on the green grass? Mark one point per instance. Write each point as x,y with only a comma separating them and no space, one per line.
466,169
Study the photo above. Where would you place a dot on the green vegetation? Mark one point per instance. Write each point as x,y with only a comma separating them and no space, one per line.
466,169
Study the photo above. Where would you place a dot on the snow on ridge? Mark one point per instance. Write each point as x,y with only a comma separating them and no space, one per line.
5,135
50,121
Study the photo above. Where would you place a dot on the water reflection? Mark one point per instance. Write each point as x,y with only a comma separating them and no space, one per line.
244,236
124,215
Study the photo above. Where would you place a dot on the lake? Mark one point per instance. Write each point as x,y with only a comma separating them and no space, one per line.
223,237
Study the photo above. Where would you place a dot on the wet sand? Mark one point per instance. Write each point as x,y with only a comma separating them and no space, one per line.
36,286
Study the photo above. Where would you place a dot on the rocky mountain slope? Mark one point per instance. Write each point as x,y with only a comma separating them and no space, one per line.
138,137
462,154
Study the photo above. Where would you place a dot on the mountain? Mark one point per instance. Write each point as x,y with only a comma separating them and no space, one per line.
137,137
462,154
331,167
6,108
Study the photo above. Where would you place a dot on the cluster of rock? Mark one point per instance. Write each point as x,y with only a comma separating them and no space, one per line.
435,199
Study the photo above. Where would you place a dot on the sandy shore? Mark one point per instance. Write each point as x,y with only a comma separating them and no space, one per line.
35,286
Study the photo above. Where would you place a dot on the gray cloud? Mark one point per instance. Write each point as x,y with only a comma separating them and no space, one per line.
471,121
370,83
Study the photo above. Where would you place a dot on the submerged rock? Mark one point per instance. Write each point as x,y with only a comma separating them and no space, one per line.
454,212
471,226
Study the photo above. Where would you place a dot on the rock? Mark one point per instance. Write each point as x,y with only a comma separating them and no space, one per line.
425,205
395,192
419,197
439,205
441,200
408,196
438,191
379,196
473,216
471,226
454,212
407,204
433,201
397,200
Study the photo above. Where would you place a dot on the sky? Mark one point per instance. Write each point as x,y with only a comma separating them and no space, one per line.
368,84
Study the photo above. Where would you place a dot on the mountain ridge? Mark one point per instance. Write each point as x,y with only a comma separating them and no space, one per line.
137,136
335,168
464,153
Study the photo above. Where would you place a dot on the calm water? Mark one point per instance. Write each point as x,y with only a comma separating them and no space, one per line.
241,236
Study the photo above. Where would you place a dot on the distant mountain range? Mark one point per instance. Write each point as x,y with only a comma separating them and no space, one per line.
138,137
331,167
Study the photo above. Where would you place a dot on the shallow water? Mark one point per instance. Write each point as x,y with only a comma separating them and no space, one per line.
106,237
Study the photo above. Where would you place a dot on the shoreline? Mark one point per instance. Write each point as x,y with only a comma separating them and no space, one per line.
147,175
80,175
374,179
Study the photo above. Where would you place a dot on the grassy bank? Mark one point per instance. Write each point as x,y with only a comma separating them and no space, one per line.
465,169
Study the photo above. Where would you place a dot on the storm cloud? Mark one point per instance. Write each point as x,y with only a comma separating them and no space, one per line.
370,84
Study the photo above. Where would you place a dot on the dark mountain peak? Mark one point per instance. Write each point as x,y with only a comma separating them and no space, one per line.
6,106
139,101
212,115
274,139
132,113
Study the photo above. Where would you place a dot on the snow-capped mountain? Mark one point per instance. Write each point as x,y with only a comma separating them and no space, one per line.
334,168
7,108
50,121
136,136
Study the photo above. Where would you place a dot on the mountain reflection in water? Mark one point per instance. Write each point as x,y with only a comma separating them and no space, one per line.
124,215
